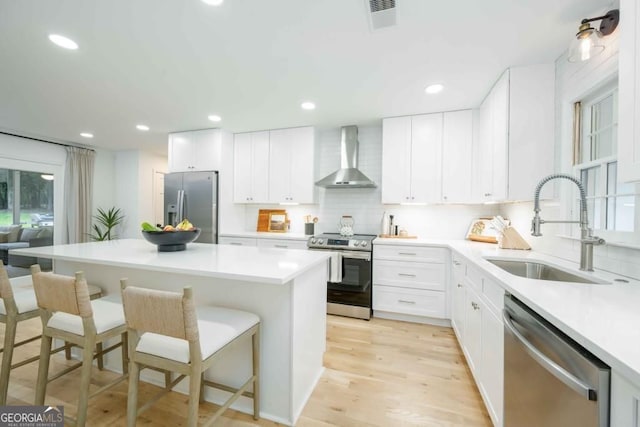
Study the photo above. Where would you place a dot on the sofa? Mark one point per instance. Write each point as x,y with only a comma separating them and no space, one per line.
15,237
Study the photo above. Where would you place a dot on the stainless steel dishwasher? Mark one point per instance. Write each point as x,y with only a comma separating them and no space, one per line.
549,379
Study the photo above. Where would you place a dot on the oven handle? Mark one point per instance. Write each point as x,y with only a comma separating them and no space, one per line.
553,368
356,255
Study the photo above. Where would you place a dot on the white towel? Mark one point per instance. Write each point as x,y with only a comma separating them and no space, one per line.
335,267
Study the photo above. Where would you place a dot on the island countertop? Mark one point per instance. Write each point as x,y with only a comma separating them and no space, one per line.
252,264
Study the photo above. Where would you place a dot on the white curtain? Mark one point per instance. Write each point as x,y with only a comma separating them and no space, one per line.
78,194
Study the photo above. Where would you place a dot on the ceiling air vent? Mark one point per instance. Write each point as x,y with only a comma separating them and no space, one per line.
382,13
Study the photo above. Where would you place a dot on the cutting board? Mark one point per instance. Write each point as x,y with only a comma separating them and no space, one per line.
263,218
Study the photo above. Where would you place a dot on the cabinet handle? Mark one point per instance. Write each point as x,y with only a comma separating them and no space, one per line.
459,285
444,197
406,275
475,306
487,194
406,253
406,302
280,246
235,243
456,262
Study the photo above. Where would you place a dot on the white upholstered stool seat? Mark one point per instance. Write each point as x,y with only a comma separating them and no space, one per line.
106,315
217,327
167,332
18,303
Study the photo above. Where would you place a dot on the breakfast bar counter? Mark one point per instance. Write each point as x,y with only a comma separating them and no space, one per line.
285,288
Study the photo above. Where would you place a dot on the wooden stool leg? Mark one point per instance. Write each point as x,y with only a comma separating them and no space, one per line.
85,381
255,344
167,380
201,400
194,398
132,399
43,369
100,358
67,350
125,352
7,356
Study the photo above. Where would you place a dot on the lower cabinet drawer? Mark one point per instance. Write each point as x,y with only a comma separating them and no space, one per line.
282,244
419,275
410,253
416,302
237,241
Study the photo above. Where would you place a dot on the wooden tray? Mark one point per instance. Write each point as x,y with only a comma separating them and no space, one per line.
391,236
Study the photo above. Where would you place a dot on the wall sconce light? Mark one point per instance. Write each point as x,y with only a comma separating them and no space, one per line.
587,42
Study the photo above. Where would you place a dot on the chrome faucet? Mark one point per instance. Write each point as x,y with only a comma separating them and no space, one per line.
587,240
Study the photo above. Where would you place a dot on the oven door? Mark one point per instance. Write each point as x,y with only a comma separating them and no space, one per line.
354,274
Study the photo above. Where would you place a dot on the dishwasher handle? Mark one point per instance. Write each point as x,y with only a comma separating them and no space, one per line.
553,368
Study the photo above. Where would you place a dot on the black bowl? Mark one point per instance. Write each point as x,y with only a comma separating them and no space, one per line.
171,241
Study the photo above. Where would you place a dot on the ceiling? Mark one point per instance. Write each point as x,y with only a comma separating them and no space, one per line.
169,64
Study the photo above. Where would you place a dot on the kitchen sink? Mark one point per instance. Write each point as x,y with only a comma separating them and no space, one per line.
541,271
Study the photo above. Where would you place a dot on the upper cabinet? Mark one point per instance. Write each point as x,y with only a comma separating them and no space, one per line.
427,158
291,165
274,166
457,156
251,167
629,92
197,150
516,135
411,159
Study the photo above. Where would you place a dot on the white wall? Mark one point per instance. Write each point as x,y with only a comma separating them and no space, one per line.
363,204
104,183
573,81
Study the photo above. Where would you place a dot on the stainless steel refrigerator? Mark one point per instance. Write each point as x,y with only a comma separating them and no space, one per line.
193,195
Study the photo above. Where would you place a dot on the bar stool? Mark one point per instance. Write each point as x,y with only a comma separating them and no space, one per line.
68,314
166,332
19,303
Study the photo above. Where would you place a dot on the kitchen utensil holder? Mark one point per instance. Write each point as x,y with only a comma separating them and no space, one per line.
309,229
511,239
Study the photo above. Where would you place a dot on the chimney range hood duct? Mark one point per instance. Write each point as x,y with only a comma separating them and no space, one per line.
348,176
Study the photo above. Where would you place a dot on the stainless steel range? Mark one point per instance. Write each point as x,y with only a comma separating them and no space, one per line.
349,284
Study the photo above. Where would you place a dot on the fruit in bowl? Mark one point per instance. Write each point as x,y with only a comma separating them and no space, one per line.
168,238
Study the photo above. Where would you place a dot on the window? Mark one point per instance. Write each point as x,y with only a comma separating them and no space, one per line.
611,204
26,198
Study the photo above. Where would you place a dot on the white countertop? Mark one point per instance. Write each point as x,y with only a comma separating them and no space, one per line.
266,235
248,263
605,319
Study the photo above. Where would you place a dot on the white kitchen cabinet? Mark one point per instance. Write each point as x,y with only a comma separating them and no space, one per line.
237,241
251,167
195,150
629,92
516,135
625,402
457,158
458,273
477,320
409,282
291,163
411,159
282,244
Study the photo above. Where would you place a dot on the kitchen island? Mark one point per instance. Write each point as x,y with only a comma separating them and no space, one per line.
286,288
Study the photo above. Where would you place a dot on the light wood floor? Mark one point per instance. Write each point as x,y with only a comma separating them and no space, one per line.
378,373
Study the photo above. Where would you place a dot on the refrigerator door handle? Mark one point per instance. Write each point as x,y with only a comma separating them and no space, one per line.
180,206
553,368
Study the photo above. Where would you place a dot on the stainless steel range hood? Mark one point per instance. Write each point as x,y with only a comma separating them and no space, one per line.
348,176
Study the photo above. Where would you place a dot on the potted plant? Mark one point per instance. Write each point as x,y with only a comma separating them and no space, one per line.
106,222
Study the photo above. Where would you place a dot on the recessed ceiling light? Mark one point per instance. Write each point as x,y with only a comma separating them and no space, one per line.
214,118
213,2
308,105
436,88
86,135
142,127
63,41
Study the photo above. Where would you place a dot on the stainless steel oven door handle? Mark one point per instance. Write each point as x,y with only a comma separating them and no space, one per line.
553,368
356,255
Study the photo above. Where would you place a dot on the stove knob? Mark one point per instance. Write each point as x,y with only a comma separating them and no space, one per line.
320,241
363,243
313,240
356,243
